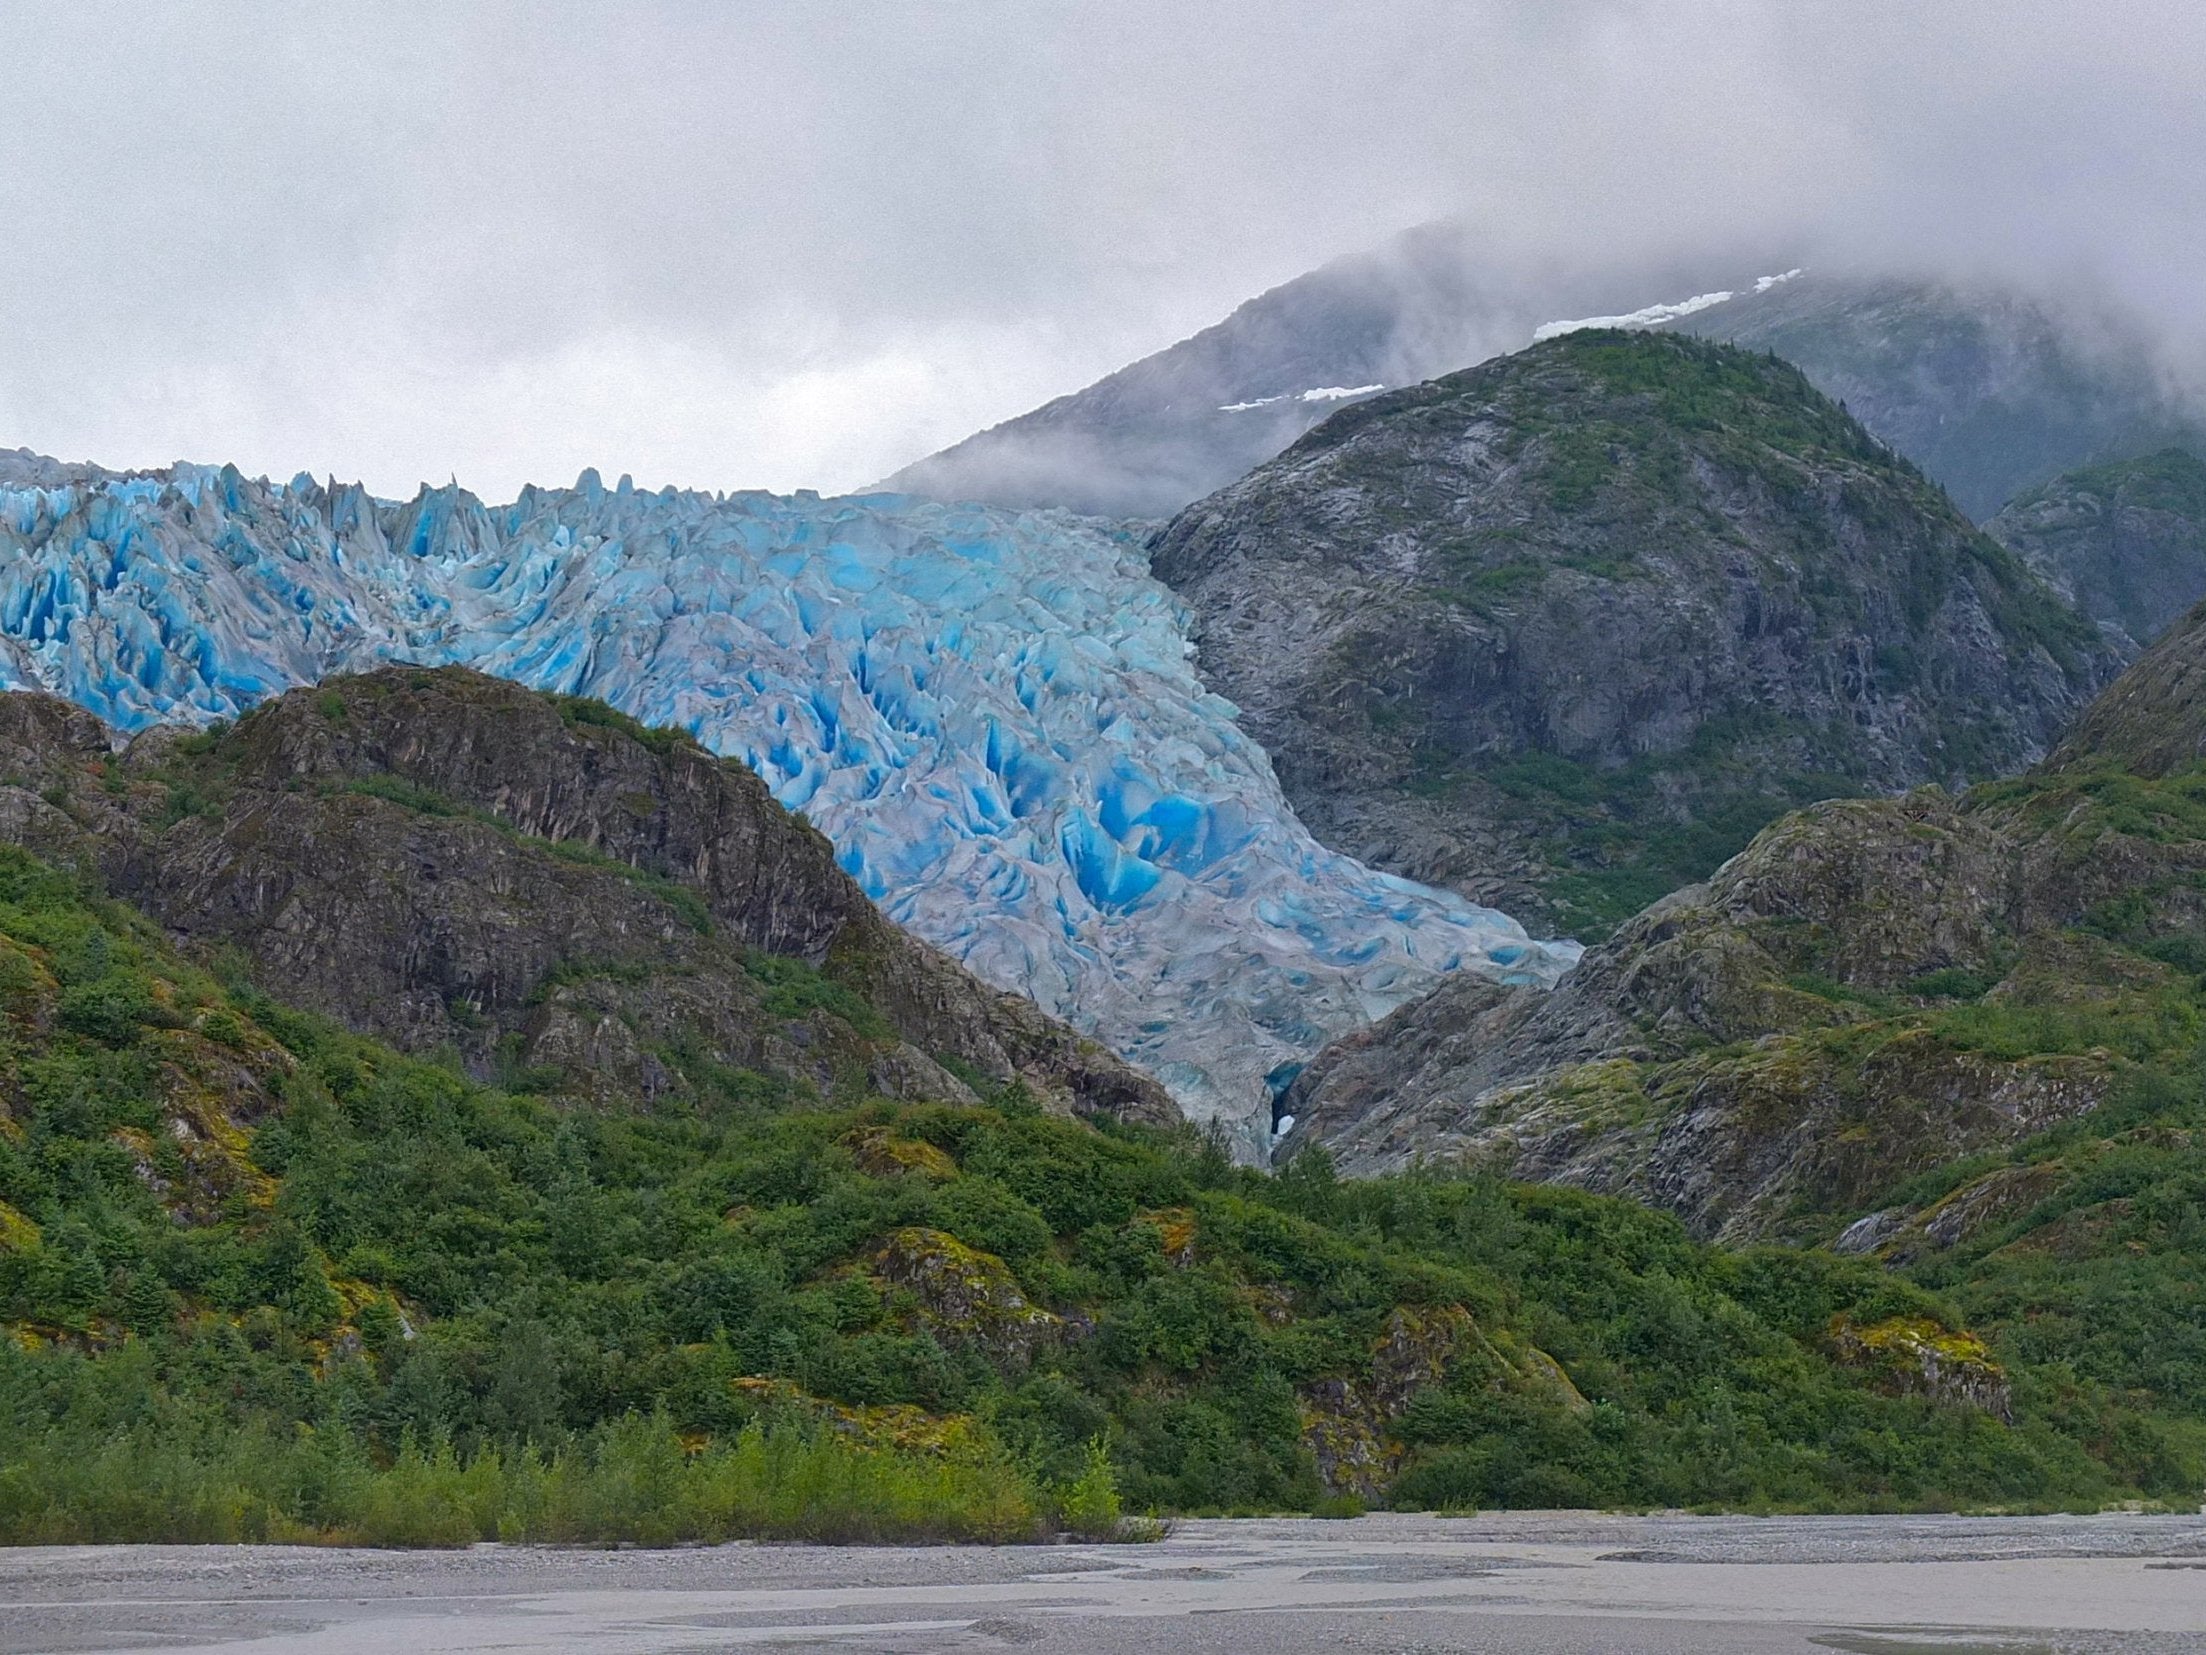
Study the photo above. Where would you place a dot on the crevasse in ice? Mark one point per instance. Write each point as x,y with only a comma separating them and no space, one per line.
993,715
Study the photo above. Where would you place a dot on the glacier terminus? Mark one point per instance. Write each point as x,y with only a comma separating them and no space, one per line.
994,715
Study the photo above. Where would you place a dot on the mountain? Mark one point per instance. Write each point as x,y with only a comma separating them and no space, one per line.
1990,389
2126,541
1872,991
1563,630
263,1279
993,717
1958,1035
447,861
1146,440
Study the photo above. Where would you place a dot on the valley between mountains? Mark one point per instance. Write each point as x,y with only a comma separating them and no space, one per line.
1595,928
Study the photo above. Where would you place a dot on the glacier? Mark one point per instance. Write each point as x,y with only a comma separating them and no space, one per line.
994,716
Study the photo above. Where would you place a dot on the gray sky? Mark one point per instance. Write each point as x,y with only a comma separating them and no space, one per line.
779,244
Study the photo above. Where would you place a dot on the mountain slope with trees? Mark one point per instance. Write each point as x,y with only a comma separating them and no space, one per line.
261,1278
2126,541
1961,1035
537,882
1564,630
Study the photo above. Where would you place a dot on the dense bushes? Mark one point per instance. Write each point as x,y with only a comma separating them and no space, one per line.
266,1279
191,1476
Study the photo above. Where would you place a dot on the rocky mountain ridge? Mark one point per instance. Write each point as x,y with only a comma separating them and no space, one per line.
446,860
1562,631
1874,990
2125,541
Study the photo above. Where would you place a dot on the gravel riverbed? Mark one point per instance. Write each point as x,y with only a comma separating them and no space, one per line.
1539,1582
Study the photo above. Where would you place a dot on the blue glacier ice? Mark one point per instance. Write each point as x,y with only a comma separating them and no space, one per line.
994,716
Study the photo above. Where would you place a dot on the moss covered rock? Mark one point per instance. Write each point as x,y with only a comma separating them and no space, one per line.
1912,1356
965,1297
1347,1422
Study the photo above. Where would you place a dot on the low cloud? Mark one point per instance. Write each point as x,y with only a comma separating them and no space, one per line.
782,245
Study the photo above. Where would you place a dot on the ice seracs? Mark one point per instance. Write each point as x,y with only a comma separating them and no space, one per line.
993,715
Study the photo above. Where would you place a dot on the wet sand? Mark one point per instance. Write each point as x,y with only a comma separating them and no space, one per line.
1409,1585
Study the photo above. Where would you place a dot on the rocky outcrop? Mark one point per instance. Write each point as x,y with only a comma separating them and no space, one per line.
2126,542
569,900
1976,1207
964,1297
1349,1423
1910,1356
1561,630
1870,990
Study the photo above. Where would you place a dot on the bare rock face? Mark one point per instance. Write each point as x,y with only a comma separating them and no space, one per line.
2127,542
569,900
1563,630
1871,989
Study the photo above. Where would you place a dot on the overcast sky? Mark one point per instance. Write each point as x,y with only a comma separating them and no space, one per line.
781,244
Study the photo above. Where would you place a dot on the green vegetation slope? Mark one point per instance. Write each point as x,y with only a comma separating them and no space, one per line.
1964,1036
263,1277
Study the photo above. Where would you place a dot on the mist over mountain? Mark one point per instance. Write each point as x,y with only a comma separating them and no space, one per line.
1990,387
1144,441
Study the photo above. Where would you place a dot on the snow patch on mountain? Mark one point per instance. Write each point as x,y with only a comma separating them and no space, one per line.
1650,316
1653,316
1317,393
993,715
